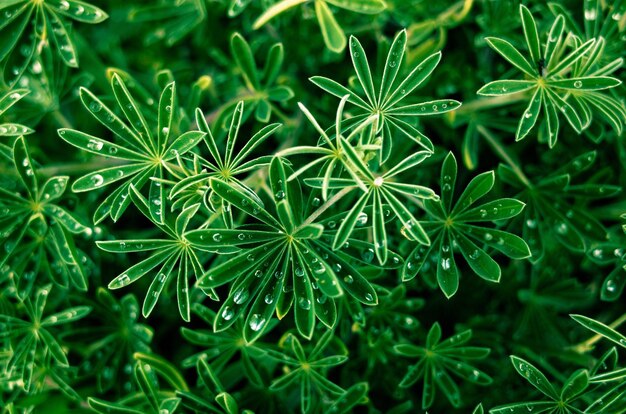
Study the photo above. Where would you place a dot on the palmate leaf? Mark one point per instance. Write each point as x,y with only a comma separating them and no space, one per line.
459,224
37,233
554,206
309,369
227,165
168,26
378,189
27,25
260,82
172,261
563,401
142,151
386,102
553,92
31,337
280,263
437,360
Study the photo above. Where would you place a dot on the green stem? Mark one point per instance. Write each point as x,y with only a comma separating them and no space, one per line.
486,103
501,151
79,168
61,120
587,345
338,196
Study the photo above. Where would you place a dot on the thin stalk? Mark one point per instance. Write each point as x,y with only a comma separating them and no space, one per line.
60,119
587,345
486,103
501,151
79,168
326,206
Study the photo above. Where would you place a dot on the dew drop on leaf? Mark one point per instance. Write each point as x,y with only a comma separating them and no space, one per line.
97,180
304,303
241,296
227,313
256,322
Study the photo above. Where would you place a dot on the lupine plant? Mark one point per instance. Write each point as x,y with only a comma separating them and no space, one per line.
312,206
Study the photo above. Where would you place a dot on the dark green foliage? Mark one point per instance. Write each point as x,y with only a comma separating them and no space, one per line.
315,206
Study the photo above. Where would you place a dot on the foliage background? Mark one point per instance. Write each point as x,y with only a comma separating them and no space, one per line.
87,348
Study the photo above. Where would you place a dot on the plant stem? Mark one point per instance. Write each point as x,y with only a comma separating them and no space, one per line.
587,345
486,103
78,168
60,119
326,206
501,151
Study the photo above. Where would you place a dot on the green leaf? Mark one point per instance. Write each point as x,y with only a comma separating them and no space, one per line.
79,10
506,87
530,116
392,65
348,224
245,60
447,271
25,168
575,384
333,35
98,146
362,69
475,190
534,377
510,53
500,209
414,79
601,329
586,83
360,6
479,261
530,33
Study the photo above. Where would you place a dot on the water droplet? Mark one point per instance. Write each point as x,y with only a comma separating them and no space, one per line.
361,219
97,180
561,228
348,279
591,14
368,297
578,84
315,202
123,280
256,322
488,236
258,273
368,255
304,303
445,263
280,194
378,181
64,5
483,212
269,298
528,114
227,313
165,131
241,236
240,296
299,272
610,286
217,237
